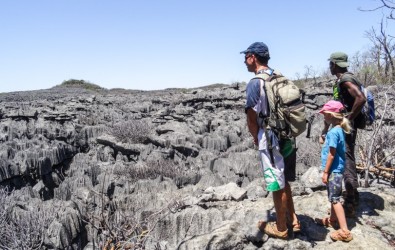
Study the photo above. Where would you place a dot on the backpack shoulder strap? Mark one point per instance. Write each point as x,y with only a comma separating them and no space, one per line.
265,76
348,77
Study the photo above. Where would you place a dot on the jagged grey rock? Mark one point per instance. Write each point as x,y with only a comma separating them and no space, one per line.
312,178
194,183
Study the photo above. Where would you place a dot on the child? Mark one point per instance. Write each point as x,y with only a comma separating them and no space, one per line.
333,162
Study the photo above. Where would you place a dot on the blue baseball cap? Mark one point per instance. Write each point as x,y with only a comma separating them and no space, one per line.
258,48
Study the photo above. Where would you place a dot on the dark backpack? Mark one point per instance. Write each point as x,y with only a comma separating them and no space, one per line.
367,115
368,109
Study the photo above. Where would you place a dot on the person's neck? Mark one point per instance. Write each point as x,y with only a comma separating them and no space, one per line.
336,125
260,68
340,74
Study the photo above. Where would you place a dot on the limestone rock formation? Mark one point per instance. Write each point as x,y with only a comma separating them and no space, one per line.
170,169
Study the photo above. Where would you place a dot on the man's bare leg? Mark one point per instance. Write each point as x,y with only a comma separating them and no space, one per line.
280,205
290,204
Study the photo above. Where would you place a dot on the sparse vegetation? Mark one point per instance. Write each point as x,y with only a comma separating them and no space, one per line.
116,226
210,86
132,131
22,226
151,170
300,83
376,147
215,85
73,83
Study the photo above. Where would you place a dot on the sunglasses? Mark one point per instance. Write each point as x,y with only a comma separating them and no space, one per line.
247,56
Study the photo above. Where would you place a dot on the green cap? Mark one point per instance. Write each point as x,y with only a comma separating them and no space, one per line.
340,59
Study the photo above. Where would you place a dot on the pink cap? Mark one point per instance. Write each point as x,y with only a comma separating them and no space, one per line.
332,106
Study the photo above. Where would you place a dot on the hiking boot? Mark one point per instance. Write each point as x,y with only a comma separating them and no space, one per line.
270,228
341,235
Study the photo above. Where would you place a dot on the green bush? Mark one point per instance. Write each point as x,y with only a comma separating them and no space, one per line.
73,83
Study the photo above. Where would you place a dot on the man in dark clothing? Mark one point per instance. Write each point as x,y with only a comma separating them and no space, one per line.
347,91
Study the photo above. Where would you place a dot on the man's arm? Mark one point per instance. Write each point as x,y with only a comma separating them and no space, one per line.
358,96
252,124
252,96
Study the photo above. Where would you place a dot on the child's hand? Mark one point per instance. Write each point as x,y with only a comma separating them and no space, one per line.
322,139
325,178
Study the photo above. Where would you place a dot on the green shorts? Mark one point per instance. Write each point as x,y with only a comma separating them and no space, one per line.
287,150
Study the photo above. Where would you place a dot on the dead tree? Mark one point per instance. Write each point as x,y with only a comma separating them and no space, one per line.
373,141
385,47
388,5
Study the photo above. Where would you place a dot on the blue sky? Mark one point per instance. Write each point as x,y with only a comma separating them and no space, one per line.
147,44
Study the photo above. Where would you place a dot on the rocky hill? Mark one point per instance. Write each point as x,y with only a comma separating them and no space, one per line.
170,169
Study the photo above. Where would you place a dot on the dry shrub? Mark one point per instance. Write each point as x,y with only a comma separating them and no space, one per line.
382,144
22,227
132,131
121,230
375,145
117,225
150,170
